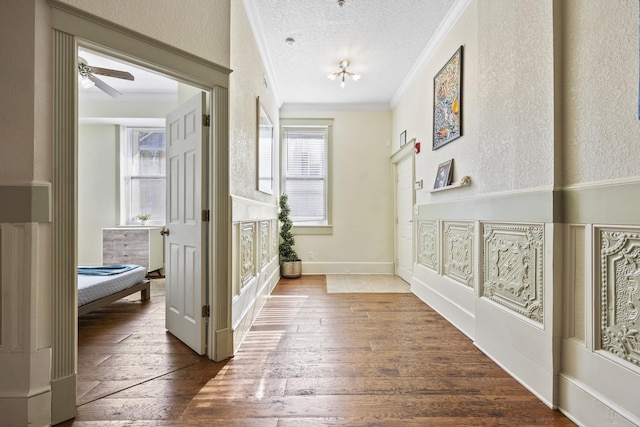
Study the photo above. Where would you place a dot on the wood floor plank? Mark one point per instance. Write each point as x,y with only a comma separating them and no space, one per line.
310,359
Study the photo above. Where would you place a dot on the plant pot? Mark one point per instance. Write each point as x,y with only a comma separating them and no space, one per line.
291,269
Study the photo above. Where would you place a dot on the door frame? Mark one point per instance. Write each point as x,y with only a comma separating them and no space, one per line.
397,157
72,26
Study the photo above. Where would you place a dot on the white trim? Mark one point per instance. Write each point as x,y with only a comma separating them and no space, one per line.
585,406
607,183
347,267
243,209
295,107
447,24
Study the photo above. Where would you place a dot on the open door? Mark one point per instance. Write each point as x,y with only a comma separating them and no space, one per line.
185,278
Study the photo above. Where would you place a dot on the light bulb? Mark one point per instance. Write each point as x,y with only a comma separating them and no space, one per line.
86,83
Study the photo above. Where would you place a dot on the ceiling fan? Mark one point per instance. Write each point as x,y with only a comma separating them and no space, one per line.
87,72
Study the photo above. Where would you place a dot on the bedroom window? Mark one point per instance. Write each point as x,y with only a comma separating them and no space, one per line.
306,147
143,168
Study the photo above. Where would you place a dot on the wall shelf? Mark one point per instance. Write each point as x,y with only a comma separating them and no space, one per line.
463,183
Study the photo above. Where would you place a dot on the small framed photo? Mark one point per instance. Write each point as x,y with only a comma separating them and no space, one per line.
444,175
403,138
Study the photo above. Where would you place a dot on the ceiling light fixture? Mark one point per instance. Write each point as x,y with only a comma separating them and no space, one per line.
341,74
340,3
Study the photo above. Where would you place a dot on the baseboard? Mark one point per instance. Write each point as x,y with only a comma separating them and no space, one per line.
63,399
585,408
347,267
27,410
456,315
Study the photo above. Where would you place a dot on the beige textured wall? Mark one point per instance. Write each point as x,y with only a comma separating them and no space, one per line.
25,72
246,83
197,26
516,99
414,113
601,91
362,189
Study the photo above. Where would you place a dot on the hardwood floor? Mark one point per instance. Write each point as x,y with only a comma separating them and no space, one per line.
311,359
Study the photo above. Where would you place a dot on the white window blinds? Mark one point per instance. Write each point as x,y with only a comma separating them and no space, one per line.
305,173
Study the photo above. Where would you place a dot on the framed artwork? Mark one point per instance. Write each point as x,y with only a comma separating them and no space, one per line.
265,148
447,102
444,175
403,138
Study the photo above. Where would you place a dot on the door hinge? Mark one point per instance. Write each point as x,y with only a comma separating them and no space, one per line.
206,311
206,215
206,120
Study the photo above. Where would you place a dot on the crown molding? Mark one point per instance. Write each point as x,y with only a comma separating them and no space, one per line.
258,35
452,17
335,107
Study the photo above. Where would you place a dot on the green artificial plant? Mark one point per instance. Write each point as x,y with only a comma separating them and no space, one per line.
287,253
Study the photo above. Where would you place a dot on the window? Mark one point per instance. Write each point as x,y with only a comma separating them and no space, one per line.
143,169
306,148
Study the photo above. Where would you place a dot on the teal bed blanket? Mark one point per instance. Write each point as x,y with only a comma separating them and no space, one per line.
106,270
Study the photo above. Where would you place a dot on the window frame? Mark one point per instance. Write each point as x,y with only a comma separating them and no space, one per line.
125,174
310,123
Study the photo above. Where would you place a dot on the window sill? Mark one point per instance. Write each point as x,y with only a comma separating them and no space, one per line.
312,230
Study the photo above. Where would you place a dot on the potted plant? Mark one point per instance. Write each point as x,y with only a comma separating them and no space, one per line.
291,265
143,218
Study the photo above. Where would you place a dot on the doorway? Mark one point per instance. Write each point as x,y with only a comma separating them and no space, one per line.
404,200
122,174
71,27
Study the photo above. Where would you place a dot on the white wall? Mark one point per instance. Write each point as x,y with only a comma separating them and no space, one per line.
255,261
362,196
246,84
600,374
27,161
550,125
507,148
97,181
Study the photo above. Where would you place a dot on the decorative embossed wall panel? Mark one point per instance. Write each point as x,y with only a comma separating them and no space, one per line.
247,252
264,243
458,256
620,293
513,268
428,244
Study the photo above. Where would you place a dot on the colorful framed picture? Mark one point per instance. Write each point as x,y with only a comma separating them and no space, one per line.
444,175
447,102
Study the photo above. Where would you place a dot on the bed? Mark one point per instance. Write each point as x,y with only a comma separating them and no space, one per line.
101,285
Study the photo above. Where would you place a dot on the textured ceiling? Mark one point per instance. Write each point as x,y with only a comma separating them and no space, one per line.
382,39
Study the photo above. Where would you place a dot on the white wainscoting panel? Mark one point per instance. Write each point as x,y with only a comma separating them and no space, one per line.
428,247
255,261
619,256
458,252
513,268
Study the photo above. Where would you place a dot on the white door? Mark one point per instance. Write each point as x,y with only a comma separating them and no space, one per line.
185,289
404,218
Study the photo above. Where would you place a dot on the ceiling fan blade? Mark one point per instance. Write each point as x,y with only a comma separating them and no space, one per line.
104,87
112,73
